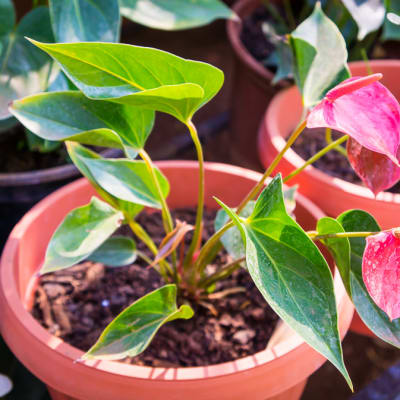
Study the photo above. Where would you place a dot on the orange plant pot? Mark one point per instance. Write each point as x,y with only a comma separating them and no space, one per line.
333,195
279,372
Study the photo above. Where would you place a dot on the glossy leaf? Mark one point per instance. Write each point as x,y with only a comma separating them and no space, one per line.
376,170
81,232
316,40
128,180
364,109
85,20
391,29
24,69
338,247
7,17
368,14
72,116
175,14
138,76
80,155
291,273
381,271
116,251
131,332
370,313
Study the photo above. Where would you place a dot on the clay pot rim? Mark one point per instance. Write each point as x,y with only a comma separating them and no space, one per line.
277,353
46,175
243,8
270,127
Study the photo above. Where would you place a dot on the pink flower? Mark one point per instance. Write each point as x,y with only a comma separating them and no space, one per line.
381,270
365,110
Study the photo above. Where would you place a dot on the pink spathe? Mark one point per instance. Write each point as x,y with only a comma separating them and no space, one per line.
381,271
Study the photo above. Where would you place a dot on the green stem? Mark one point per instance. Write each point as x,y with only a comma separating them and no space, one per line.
223,273
315,157
329,140
200,201
366,60
256,189
166,215
314,235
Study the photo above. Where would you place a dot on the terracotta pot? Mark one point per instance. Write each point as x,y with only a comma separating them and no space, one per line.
333,195
252,91
278,373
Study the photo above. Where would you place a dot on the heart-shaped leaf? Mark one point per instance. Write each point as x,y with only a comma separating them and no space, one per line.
391,29
85,20
175,14
24,70
370,313
376,170
80,155
316,40
81,232
128,180
380,270
338,247
138,76
116,251
132,331
368,14
291,273
72,116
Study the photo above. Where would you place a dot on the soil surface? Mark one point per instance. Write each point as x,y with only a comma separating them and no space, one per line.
76,304
16,156
333,163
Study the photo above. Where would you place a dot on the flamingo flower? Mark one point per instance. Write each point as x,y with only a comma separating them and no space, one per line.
381,270
367,111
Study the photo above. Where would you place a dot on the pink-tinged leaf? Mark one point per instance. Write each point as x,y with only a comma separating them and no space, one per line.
381,271
376,170
364,109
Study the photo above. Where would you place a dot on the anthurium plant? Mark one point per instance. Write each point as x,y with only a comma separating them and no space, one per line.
365,25
120,89
25,70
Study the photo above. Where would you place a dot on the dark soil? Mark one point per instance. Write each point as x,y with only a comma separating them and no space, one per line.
16,156
76,305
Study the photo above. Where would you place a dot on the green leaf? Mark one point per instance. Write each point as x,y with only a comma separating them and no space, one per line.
292,274
7,17
24,69
320,56
338,247
175,14
128,180
79,156
138,76
370,313
72,116
232,239
391,30
132,330
368,14
116,251
85,20
81,232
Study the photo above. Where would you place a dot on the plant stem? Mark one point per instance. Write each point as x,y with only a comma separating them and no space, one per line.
329,140
223,273
200,201
316,156
366,60
256,189
314,235
166,215
289,14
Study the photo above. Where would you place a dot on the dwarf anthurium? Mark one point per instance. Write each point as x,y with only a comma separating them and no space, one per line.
381,270
367,111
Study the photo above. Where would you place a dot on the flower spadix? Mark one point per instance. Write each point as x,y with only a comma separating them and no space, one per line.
364,109
381,270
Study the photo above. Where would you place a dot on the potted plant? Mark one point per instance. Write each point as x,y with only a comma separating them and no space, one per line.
281,258
263,63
